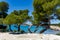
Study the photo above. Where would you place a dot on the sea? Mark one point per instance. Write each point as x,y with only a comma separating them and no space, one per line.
25,28
33,28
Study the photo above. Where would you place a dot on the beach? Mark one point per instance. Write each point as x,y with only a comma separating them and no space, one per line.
28,36
47,35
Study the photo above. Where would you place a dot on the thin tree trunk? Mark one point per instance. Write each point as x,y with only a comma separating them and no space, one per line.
43,31
49,23
29,29
18,28
36,28
10,28
47,26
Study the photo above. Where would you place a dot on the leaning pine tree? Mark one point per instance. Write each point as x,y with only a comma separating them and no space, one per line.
43,9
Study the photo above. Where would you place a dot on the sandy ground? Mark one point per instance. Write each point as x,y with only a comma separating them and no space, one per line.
45,36
7,36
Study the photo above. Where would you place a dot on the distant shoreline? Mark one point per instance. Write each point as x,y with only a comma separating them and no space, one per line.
55,28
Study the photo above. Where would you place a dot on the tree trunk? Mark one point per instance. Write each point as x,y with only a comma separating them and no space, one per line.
43,30
48,23
10,28
36,28
29,29
18,28
47,26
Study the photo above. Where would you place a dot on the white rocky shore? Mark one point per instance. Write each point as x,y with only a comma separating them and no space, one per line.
55,27
7,36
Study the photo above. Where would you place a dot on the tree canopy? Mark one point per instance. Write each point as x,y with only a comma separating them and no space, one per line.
4,9
43,9
16,17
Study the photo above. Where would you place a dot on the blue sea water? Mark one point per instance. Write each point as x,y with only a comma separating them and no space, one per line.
25,28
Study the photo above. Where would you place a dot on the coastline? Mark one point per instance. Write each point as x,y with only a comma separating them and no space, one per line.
52,30
47,35
57,28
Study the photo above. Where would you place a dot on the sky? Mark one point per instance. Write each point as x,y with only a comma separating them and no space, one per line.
21,5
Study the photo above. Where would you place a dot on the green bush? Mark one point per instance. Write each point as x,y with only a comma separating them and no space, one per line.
15,30
58,34
1,20
4,30
21,31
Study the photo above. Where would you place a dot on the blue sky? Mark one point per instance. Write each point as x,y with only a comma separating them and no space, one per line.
21,5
